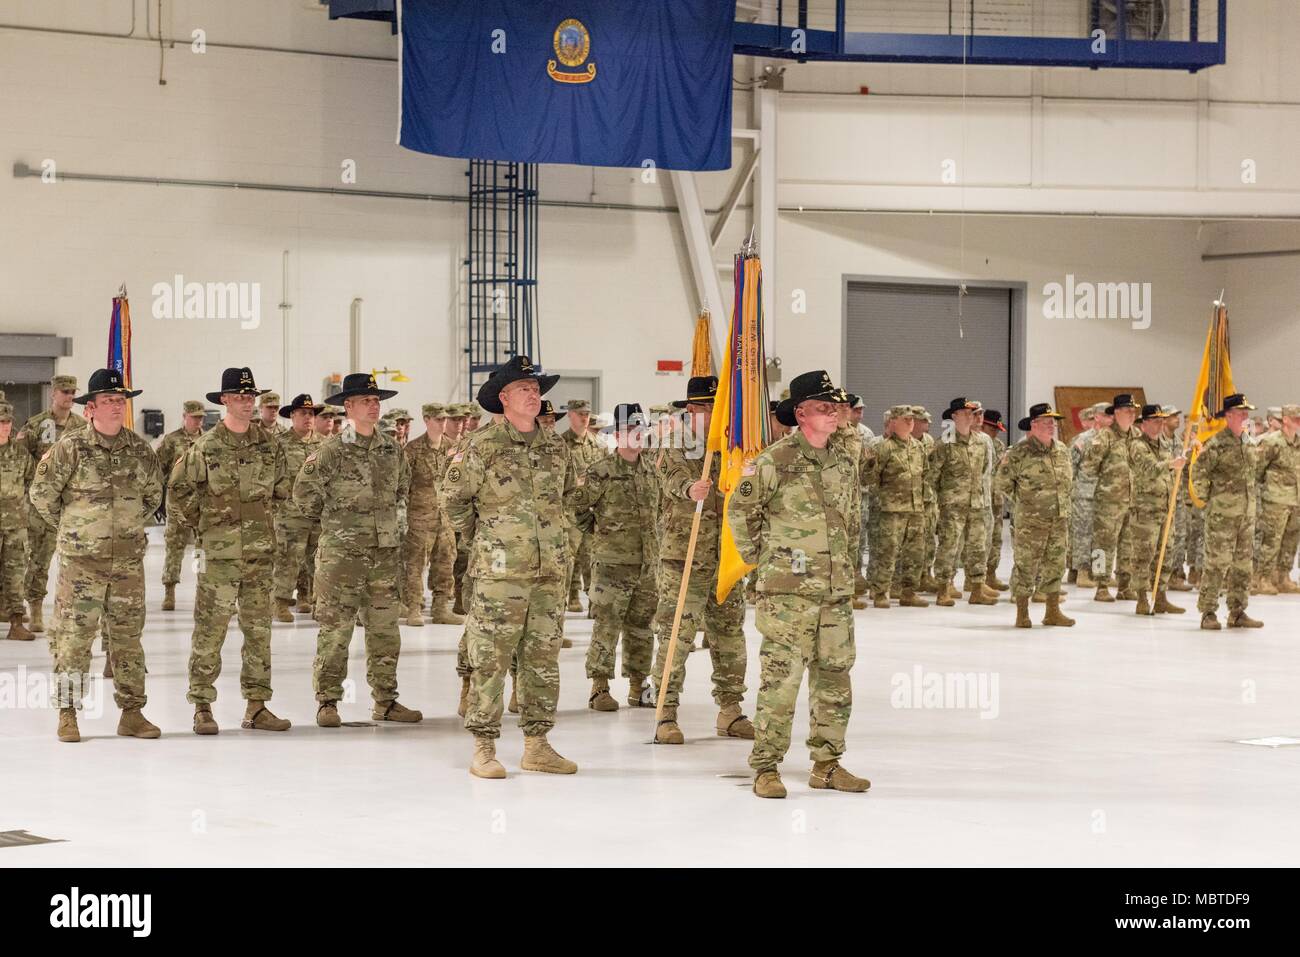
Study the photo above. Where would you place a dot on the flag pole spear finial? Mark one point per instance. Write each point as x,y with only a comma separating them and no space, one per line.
121,291
749,248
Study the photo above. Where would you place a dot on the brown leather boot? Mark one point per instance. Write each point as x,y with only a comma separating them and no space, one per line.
68,731
133,724
600,699
37,623
1022,612
258,717
880,601
1126,594
911,599
1285,586
635,689
1209,622
1263,585
440,614
1073,577
1085,579
1103,594
1194,576
395,711
1179,582
327,715
204,723
980,597
942,598
464,696
929,586
282,612
829,776
413,617
1039,596
484,763
1054,616
540,756
18,631
1143,607
169,597
992,581
1164,606
732,723
667,731
768,784
1239,619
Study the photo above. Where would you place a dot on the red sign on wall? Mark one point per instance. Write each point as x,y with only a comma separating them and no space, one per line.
669,365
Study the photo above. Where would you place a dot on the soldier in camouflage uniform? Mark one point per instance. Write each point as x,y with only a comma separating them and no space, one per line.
1224,475
356,482
293,529
1035,475
867,438
986,493
795,515
226,489
615,508
511,488
170,450
995,430
896,474
921,432
1154,468
268,410
98,486
39,434
682,479
586,451
1106,466
429,536
1083,497
16,470
1176,551
955,475
457,435
1277,467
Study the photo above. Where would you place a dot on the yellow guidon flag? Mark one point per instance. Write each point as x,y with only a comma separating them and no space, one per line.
739,429
701,351
1213,384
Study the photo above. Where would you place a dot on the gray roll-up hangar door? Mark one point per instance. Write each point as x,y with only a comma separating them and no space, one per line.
912,343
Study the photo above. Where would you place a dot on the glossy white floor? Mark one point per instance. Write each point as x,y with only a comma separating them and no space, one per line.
1111,743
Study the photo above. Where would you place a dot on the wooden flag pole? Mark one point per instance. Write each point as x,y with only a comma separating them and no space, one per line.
681,596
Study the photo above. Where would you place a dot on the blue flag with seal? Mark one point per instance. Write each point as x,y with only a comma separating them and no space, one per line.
589,82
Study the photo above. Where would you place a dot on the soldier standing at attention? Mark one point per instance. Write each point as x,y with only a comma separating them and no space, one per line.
357,482
99,486
1106,467
1277,467
172,449
586,451
456,434
616,507
1035,476
268,408
956,477
1154,467
1177,549
682,478
921,422
226,489
896,476
510,488
1083,499
293,529
16,470
429,537
995,430
790,517
42,431
1225,475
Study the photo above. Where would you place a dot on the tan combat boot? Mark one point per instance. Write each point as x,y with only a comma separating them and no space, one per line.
860,603
1179,582
1285,586
1194,576
37,624
988,592
440,614
600,698
68,731
540,756
204,723
566,642
17,630
943,596
991,579
860,584
413,617
1126,594
667,731
108,664
732,723
133,724
1143,607
1073,577
1239,619
464,696
1264,585
1022,612
767,784
575,603
880,601
1164,606
911,599
953,592
929,585
1038,597
1085,579
395,711
978,596
829,776
1209,622
1103,594
305,601
169,597
282,612
258,717
1053,615
327,715
484,764
513,706
635,690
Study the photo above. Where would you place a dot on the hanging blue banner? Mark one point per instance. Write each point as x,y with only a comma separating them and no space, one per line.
590,82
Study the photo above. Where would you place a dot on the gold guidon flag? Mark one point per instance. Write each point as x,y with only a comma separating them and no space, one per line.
1212,385
701,353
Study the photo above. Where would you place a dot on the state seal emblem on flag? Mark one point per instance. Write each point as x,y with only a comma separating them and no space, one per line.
572,46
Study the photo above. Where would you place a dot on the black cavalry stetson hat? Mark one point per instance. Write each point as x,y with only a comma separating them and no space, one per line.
1122,401
549,409
994,418
1152,412
805,386
700,388
1037,411
301,401
516,370
1235,401
237,381
105,382
357,384
627,415
956,405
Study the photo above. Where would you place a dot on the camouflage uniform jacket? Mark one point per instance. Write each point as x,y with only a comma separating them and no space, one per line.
927,443
790,516
956,472
1153,479
616,504
428,463
98,492
1083,489
677,472
896,474
295,451
1106,465
1037,479
1224,476
356,488
225,488
586,451
173,447
16,470
1277,466
41,431
512,496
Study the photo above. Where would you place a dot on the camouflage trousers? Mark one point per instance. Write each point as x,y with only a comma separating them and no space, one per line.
900,538
1039,549
931,540
175,537
624,598
348,581
1194,543
1281,536
523,617
864,536
1110,524
307,580
41,539
429,542
962,528
722,624
579,563
292,537
1229,550
91,591
803,634
459,570
993,551
1140,549
13,565
1081,517
227,588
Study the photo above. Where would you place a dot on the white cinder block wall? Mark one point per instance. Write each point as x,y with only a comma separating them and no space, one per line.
615,289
